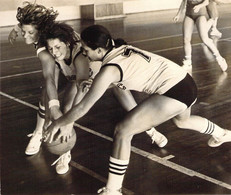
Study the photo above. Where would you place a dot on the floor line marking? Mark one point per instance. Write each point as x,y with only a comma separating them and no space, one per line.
16,59
18,100
144,40
167,37
74,164
155,51
143,153
180,47
96,175
21,74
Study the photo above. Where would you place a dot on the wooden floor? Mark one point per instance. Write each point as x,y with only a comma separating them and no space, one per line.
185,166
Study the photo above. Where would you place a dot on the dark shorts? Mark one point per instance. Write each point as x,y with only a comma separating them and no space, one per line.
194,16
185,91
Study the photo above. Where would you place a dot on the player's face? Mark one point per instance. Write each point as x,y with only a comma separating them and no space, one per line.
58,49
93,55
30,33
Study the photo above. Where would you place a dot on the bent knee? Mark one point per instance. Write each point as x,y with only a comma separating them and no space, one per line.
182,124
121,133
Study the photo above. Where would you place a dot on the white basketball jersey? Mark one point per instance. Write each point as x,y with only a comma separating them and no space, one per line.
143,71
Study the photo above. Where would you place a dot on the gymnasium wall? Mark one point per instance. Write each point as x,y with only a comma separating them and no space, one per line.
70,9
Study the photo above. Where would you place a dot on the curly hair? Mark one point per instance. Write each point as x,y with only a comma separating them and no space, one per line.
63,32
37,15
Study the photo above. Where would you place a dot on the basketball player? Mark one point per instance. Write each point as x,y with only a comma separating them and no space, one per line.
33,20
172,94
196,14
58,42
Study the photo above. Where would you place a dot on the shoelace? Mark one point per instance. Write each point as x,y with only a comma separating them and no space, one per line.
105,189
33,134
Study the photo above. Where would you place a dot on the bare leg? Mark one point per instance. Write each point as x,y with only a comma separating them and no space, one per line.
188,26
201,23
152,112
128,102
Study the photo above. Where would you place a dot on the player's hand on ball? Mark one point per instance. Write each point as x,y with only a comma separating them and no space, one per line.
50,133
65,133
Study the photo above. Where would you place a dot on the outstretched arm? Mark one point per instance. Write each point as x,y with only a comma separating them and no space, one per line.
82,74
50,75
100,84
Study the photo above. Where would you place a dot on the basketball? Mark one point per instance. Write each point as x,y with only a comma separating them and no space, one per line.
58,147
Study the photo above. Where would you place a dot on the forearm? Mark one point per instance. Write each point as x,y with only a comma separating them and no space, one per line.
182,7
78,97
71,116
52,98
51,89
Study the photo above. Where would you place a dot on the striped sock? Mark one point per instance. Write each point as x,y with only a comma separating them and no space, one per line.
213,129
117,169
41,111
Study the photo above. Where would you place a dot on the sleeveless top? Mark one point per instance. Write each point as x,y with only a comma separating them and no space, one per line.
69,70
143,71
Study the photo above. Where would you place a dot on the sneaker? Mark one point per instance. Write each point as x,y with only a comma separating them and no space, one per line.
216,33
217,141
62,163
222,63
187,65
106,191
35,143
157,137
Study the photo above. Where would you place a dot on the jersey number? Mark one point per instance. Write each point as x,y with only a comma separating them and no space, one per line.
128,52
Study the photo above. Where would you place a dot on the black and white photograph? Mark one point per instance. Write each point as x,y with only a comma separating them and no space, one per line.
119,97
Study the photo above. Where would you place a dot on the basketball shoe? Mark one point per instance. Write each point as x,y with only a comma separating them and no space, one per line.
157,137
215,32
106,191
34,143
187,65
62,163
217,141
222,63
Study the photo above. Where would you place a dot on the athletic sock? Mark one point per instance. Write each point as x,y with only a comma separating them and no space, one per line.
188,57
212,129
117,169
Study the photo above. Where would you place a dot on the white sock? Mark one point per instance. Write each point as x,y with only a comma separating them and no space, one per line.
117,169
212,129
188,57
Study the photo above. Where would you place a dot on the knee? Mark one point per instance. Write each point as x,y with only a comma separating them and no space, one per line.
187,40
206,40
182,124
122,134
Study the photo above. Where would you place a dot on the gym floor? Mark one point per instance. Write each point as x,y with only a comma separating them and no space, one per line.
187,165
